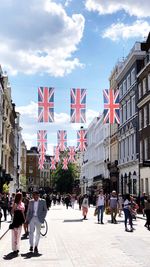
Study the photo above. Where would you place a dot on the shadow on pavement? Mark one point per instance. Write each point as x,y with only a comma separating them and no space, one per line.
75,220
10,256
29,255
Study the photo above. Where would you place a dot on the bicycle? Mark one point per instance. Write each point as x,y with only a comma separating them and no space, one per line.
44,228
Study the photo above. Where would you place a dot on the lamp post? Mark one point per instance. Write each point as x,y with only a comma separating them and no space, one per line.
134,178
84,185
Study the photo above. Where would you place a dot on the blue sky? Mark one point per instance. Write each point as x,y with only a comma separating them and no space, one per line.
65,44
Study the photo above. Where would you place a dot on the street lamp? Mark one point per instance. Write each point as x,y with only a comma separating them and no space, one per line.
134,178
84,184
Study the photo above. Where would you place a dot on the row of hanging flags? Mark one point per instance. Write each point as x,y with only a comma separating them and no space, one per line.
77,115
61,147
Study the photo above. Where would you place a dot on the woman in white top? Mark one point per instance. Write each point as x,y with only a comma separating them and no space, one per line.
127,212
100,205
85,205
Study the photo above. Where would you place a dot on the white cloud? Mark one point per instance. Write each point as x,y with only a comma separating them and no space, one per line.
138,8
120,30
39,36
67,3
29,110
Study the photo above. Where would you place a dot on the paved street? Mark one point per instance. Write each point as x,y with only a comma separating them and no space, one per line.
73,242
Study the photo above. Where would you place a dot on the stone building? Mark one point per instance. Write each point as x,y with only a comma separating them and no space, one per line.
10,136
128,128
32,170
144,118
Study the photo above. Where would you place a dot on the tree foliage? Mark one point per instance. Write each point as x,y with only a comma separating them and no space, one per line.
64,179
5,188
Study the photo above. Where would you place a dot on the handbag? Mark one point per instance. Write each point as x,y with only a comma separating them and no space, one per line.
11,226
95,211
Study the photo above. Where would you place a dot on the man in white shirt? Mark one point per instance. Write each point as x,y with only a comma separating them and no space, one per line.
36,214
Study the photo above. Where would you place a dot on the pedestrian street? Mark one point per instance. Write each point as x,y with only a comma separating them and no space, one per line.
73,242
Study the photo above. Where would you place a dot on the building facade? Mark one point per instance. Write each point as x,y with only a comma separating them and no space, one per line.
113,161
46,182
23,157
144,119
128,128
10,136
32,170
95,174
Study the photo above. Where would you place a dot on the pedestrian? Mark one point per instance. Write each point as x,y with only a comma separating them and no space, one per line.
142,202
128,213
147,212
67,201
25,200
85,205
113,203
4,205
36,214
100,206
72,201
80,199
120,203
18,219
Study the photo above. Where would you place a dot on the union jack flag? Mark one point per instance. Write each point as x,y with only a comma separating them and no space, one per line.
41,160
65,164
42,141
81,140
56,153
45,104
72,153
78,105
53,164
62,139
111,106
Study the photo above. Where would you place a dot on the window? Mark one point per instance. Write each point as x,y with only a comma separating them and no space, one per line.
140,90
149,81
133,105
132,143
128,82
120,90
140,119
145,116
144,86
142,185
30,169
149,112
128,143
141,151
145,148
121,115
124,113
146,186
128,109
124,148
124,86
133,76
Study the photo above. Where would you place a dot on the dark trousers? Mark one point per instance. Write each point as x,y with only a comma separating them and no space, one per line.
147,212
5,213
128,215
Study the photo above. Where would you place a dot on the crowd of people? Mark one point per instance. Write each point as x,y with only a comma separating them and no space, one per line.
29,211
